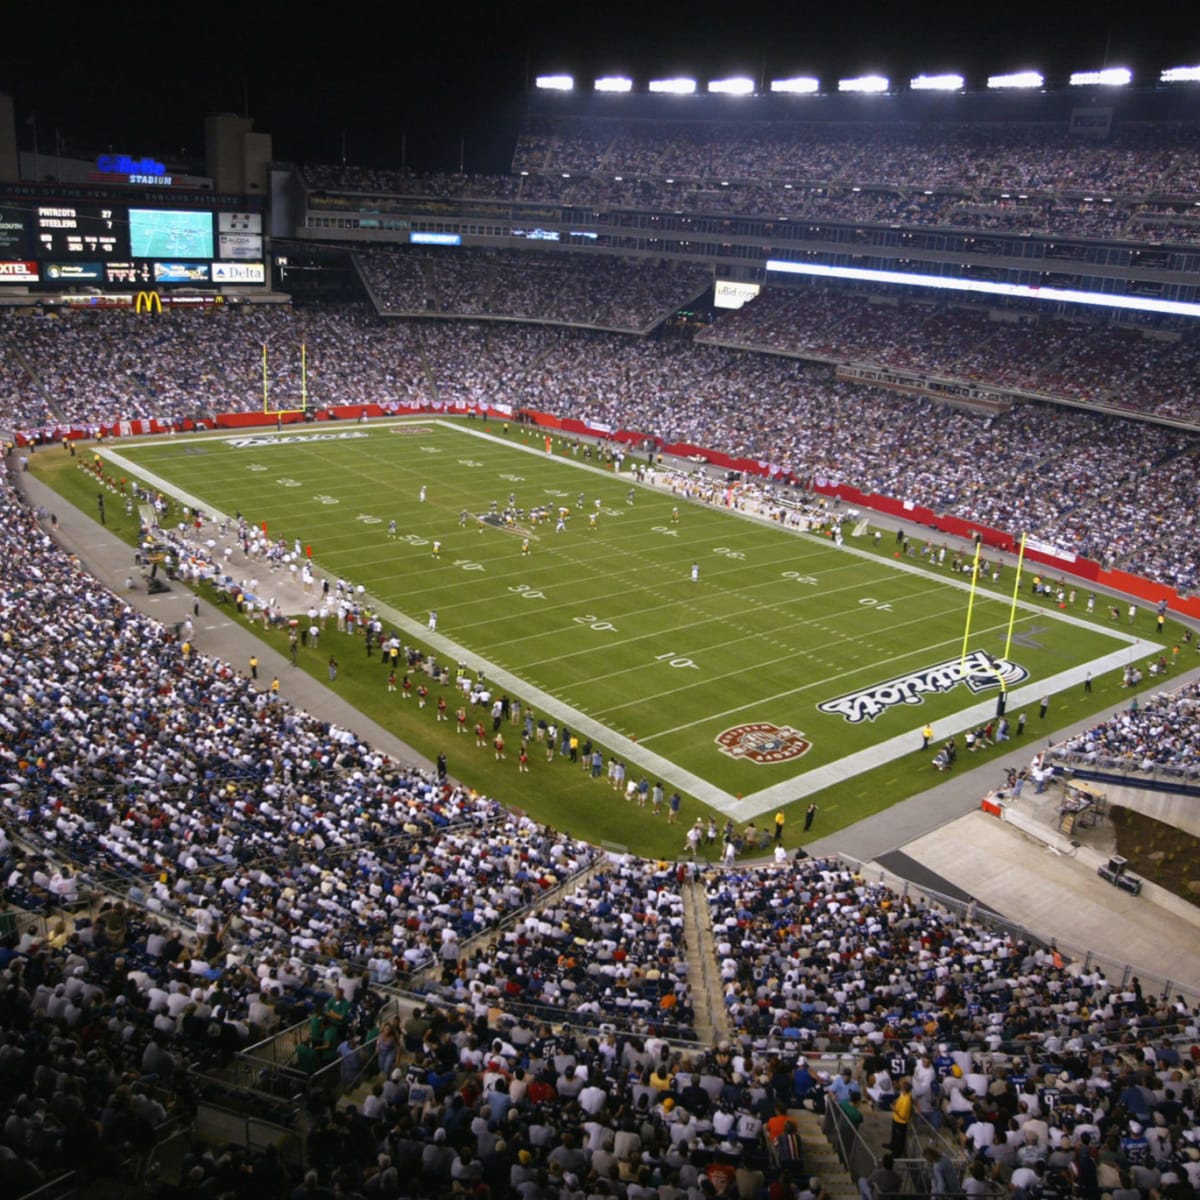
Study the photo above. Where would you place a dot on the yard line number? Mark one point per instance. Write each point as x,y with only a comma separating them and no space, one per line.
591,621
674,660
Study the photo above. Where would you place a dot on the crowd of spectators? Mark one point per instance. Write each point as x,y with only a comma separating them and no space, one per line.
814,957
1072,478
1016,1060
1136,160
272,867
200,363
275,868
491,1103
221,807
1135,185
439,185
612,951
1085,358
97,367
611,202
1141,160
632,296
1161,733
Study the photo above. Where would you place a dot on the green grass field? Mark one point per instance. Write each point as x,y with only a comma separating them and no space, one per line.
789,668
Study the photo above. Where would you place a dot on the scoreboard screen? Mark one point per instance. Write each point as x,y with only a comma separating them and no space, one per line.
65,242
79,231
165,233
235,222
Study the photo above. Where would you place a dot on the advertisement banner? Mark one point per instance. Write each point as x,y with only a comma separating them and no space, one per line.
18,272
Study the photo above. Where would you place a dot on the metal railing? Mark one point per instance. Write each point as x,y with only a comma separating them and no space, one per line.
1124,773
270,1067
273,1057
257,1133
856,1156
930,1134
22,921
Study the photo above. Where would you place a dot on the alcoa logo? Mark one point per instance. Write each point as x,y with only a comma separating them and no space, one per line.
763,743
979,671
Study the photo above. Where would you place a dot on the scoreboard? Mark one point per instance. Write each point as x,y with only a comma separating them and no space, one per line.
107,243
74,231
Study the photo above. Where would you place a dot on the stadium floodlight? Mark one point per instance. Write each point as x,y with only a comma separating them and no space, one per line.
613,83
1017,79
1180,75
870,84
1109,77
555,83
737,86
937,83
798,85
673,87
987,287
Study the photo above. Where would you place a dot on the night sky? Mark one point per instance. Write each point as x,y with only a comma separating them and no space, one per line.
422,77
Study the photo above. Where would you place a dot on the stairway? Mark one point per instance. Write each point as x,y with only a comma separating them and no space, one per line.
708,1000
820,1158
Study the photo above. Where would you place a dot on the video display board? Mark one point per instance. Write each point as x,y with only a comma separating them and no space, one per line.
62,242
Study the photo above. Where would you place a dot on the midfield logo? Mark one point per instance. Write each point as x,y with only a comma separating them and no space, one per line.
763,743
980,672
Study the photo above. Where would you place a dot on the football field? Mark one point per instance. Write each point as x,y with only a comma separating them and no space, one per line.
744,663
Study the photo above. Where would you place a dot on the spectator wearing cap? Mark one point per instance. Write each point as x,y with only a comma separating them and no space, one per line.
840,1085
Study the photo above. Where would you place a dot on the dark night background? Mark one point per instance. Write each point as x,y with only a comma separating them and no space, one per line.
104,78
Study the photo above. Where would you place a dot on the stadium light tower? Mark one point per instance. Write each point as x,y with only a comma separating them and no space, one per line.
1108,77
798,85
673,87
1180,75
867,84
615,84
737,86
555,83
1016,79
937,83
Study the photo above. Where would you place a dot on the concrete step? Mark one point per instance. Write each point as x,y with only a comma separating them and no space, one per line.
820,1158
712,1019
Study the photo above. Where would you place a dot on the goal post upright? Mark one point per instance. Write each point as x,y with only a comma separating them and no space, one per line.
1012,612
971,600
266,385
